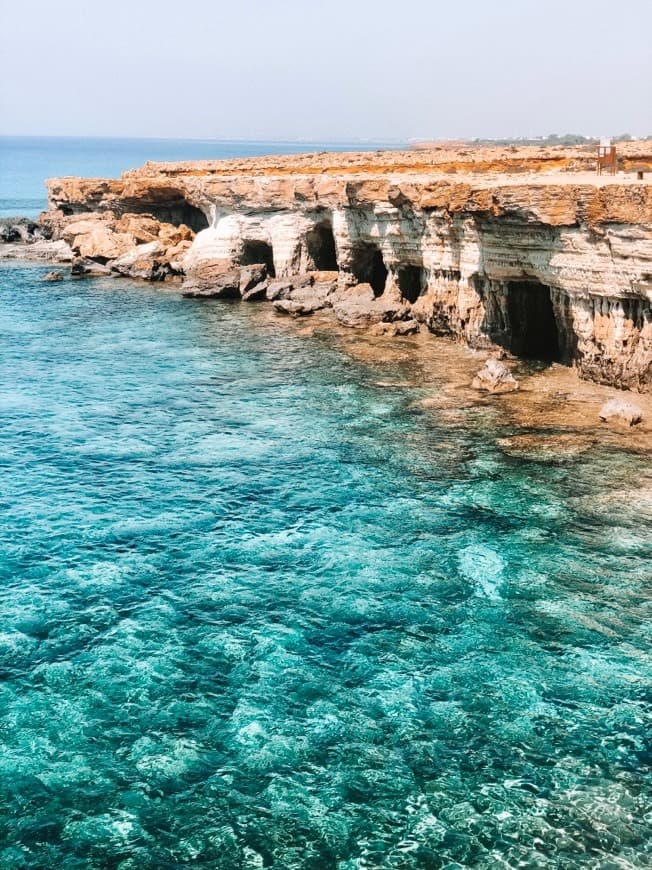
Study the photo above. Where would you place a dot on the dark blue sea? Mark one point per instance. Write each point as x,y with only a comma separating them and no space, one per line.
26,161
263,607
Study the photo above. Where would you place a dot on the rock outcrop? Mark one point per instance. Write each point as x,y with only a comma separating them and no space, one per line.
103,243
525,248
621,412
495,377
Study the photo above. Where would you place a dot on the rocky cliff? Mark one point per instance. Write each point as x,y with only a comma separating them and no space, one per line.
526,248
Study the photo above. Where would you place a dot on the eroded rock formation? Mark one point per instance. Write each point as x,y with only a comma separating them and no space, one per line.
523,248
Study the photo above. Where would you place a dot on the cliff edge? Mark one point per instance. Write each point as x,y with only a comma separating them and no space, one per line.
522,247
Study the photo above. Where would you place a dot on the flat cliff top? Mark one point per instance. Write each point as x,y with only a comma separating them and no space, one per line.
434,159
551,185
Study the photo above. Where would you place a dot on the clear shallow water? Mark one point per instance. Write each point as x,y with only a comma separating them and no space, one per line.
257,611
26,161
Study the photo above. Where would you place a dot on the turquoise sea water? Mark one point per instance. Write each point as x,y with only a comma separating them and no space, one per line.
258,610
26,161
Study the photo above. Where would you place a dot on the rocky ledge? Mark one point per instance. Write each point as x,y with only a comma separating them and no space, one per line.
527,249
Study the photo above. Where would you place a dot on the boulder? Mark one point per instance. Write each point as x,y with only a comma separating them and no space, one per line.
299,308
48,251
278,290
143,261
20,229
621,412
54,275
358,307
143,227
85,268
495,377
399,327
175,256
255,293
102,243
250,277
224,286
206,261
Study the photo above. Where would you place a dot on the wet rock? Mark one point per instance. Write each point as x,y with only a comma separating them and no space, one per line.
399,327
42,250
224,286
621,412
85,268
251,277
297,308
306,295
495,377
278,290
20,229
54,275
359,308
144,261
256,294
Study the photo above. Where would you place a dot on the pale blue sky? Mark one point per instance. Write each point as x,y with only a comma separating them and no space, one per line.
342,69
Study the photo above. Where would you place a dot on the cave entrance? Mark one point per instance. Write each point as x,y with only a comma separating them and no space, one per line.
254,253
369,267
176,211
320,244
533,327
411,282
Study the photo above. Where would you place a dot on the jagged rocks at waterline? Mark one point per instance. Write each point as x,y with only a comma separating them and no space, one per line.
495,377
621,412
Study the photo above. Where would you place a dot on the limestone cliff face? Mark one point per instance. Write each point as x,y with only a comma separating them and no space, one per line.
522,249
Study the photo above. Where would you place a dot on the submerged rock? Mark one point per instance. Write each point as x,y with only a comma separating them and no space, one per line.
621,412
54,275
495,377
547,446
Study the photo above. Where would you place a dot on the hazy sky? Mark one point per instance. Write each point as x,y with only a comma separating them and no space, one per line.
342,69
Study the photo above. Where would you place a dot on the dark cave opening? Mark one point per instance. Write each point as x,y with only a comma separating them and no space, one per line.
177,213
369,267
254,252
533,327
411,282
320,244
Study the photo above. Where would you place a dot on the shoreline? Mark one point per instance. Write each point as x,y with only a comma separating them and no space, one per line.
554,413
